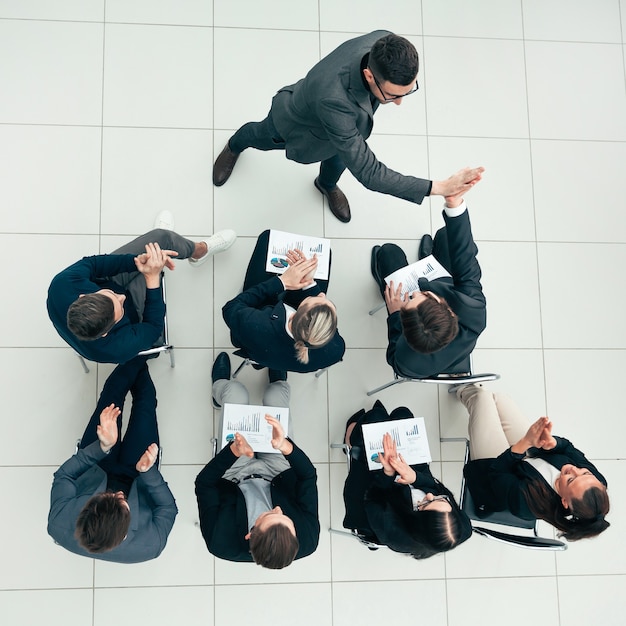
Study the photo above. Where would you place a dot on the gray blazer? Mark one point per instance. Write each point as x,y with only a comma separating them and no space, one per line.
331,112
152,508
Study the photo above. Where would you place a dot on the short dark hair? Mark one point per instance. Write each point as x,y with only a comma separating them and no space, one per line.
394,59
91,316
102,524
430,326
274,548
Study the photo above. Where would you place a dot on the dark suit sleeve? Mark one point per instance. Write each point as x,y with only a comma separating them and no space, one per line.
244,308
164,508
338,119
207,491
506,484
64,483
394,332
294,297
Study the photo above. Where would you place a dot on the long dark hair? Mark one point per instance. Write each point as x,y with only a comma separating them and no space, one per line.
418,533
585,519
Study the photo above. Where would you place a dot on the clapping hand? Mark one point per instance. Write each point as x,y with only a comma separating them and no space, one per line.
394,298
546,440
279,442
407,475
388,454
240,447
107,428
148,458
153,260
300,272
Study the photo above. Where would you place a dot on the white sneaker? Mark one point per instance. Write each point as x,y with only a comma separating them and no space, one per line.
164,220
218,242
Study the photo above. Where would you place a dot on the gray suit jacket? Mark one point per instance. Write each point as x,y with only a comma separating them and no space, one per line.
331,112
152,508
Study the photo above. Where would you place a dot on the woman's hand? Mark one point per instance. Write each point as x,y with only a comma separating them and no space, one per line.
300,272
539,433
388,454
547,441
405,471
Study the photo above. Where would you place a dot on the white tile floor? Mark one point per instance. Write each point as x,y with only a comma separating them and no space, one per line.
112,110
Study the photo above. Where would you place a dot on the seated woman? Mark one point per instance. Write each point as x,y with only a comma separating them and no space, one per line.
401,506
284,322
527,471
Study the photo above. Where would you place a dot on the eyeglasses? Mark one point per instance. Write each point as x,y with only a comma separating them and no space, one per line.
387,98
424,503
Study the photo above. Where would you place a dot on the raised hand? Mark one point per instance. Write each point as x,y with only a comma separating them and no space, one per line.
388,454
546,440
456,185
240,447
107,429
300,272
148,458
279,442
407,475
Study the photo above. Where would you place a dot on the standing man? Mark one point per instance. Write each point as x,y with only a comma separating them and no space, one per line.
109,501
434,330
259,507
109,307
328,116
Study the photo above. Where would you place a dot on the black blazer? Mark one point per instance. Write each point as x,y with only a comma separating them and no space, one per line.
498,484
464,294
371,498
222,506
257,317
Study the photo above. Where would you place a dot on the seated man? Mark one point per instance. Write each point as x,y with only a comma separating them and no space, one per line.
257,507
432,331
109,307
109,501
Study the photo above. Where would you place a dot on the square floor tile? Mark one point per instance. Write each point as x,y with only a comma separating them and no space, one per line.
51,72
158,76
608,606
51,179
572,21
280,14
489,101
565,272
164,604
270,51
35,561
48,606
151,170
575,404
512,291
589,215
553,73
190,12
501,205
461,19
311,603
364,17
83,10
474,602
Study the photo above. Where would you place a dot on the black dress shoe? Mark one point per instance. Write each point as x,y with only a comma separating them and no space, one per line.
220,371
337,201
276,375
224,165
380,280
425,247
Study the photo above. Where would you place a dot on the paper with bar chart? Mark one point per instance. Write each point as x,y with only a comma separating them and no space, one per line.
280,242
409,435
428,267
249,420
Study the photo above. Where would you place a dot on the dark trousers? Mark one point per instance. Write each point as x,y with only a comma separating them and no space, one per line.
256,273
142,428
264,136
391,257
